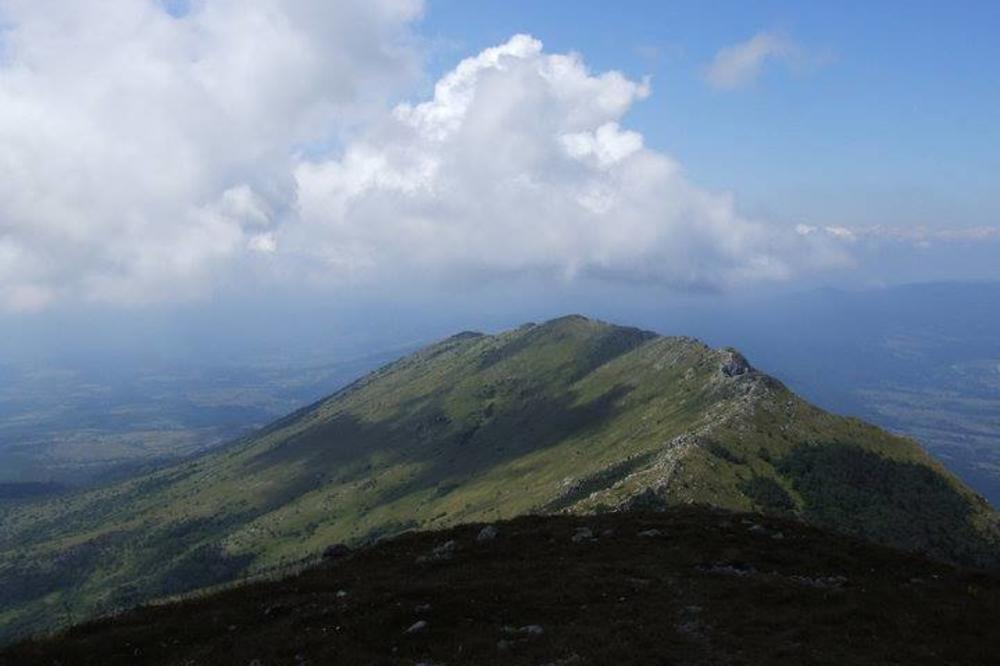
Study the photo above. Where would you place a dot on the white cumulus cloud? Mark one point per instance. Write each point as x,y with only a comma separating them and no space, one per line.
519,163
147,156
141,151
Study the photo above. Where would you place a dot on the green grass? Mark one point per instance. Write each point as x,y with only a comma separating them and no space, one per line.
572,415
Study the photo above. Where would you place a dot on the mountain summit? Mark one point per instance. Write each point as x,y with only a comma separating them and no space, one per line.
569,416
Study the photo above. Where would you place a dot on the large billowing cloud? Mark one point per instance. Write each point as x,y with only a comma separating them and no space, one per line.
519,163
147,156
141,151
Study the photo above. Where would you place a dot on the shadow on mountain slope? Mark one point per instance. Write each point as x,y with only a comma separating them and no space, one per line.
686,586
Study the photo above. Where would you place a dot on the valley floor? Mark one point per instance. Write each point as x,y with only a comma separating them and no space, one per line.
686,586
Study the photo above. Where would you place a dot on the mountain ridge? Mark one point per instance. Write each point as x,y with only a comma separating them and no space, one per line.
572,415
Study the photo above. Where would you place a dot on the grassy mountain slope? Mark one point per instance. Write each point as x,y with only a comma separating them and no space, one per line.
686,586
572,415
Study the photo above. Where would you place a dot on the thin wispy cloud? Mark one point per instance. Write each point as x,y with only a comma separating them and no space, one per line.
739,65
918,235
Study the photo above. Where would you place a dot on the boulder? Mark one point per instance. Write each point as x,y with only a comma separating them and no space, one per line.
418,627
488,533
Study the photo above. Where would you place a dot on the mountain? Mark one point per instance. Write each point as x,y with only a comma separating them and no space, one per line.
573,415
687,585
922,360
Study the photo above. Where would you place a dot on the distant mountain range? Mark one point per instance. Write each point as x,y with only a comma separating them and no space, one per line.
573,415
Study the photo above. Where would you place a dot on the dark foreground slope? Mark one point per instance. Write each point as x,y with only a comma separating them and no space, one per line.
684,586
571,416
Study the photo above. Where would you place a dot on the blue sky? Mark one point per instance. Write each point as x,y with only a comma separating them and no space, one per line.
894,122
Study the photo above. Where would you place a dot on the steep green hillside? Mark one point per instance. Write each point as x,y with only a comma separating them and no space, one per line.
572,415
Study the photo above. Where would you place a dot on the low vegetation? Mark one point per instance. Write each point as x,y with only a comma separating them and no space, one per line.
572,416
687,585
